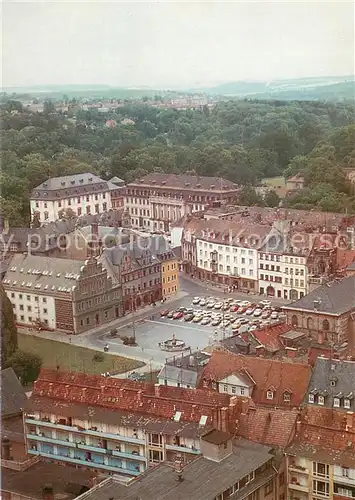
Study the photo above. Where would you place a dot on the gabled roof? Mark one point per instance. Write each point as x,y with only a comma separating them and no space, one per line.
337,297
339,372
38,272
13,396
284,376
268,337
325,435
270,426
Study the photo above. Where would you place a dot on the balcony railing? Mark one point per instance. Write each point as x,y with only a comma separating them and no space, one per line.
20,466
89,432
85,463
182,449
298,468
298,487
61,442
129,456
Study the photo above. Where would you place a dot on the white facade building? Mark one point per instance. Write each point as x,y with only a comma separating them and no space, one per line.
81,193
28,307
283,275
232,261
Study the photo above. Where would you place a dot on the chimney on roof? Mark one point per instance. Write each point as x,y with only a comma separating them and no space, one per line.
139,396
178,468
157,390
224,419
121,391
260,350
298,426
6,449
320,337
48,492
93,248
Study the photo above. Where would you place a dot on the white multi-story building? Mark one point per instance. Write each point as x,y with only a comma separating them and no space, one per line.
283,275
79,193
229,262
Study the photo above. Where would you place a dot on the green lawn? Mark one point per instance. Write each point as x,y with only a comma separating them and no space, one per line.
73,358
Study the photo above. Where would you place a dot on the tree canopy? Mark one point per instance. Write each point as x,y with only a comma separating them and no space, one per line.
242,141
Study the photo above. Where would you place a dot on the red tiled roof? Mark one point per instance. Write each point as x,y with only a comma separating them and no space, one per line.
345,258
274,427
267,373
328,432
269,336
316,352
122,394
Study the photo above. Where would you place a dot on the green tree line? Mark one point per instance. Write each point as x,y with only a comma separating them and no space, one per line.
242,141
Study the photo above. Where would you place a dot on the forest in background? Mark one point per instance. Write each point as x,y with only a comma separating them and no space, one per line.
243,141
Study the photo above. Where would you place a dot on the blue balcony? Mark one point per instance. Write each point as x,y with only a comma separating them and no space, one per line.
91,448
84,463
129,456
68,428
182,449
46,439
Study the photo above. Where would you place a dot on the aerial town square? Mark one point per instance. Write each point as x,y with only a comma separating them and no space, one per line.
177,251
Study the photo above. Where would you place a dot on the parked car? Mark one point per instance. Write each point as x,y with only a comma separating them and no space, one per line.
216,322
234,308
178,315
189,316
203,302
274,315
164,312
257,313
196,300
245,303
182,309
218,305
265,303
197,318
265,314
242,310
225,306
210,304
249,311
170,314
206,320
225,323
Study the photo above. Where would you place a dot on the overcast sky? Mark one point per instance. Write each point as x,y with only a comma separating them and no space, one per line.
174,43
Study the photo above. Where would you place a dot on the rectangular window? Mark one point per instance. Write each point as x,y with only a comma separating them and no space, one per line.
45,311
21,307
29,308
320,469
269,395
269,487
87,198
321,488
104,207
28,297
12,294
225,388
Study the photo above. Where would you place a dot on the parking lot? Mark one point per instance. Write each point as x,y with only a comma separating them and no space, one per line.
203,327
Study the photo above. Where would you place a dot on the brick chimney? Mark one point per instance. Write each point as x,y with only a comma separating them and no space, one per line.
157,390
139,396
224,420
48,492
349,420
260,350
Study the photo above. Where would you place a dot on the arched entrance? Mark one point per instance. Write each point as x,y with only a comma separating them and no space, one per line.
293,295
270,291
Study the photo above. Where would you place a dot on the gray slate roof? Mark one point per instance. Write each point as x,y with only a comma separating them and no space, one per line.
45,271
184,182
339,372
203,479
56,183
13,396
336,298
178,375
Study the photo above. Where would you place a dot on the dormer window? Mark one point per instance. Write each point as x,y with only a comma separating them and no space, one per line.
287,397
310,398
321,400
270,395
346,403
336,402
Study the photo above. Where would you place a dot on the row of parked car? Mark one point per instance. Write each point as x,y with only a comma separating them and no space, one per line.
229,313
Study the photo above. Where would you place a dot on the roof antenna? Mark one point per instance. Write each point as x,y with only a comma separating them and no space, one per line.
178,468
